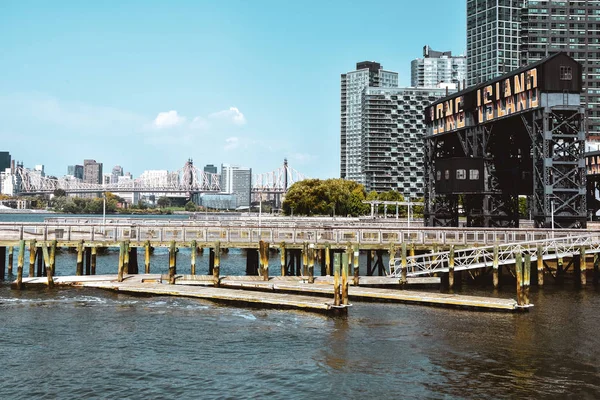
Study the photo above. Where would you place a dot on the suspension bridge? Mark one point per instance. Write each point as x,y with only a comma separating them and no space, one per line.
185,181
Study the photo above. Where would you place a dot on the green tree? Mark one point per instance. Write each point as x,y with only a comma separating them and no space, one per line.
59,193
190,206
325,197
163,202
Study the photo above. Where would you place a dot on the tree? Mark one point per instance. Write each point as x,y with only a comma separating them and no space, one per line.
325,197
59,193
163,202
190,206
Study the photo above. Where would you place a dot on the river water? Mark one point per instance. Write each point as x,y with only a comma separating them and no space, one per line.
81,343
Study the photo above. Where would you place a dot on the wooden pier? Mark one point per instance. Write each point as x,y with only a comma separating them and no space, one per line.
279,292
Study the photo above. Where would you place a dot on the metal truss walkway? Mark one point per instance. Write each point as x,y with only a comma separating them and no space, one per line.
493,256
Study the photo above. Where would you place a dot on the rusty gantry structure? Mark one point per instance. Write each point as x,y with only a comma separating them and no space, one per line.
522,133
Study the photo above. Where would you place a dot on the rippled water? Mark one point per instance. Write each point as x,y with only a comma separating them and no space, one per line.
82,343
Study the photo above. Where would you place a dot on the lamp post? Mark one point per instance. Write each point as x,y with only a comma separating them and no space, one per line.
103,211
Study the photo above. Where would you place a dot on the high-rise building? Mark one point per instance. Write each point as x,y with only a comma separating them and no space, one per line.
75,171
92,171
117,171
393,129
238,181
353,83
549,26
493,31
211,169
438,67
4,160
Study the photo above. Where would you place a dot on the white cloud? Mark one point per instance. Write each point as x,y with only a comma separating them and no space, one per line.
231,143
199,123
233,114
168,119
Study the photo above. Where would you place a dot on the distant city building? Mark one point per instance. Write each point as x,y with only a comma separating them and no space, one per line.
211,169
438,67
75,171
39,170
5,160
10,181
548,27
92,171
353,84
393,131
159,178
220,201
493,38
106,179
238,181
117,171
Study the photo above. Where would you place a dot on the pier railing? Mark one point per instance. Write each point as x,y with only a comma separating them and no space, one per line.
363,234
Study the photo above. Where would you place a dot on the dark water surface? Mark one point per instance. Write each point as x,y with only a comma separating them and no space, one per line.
82,343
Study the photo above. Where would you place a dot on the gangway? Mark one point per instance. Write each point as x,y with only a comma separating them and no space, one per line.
490,256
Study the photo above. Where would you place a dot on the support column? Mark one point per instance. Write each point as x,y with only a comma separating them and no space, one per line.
79,268
403,278
2,262
121,261
10,260
345,265
20,262
52,263
94,253
263,249
126,258
88,260
451,268
39,256
582,267
560,272
193,246
495,275
46,259
519,275
540,265
392,254
147,257
216,269
32,258
172,262
282,258
337,260
526,278
327,260
355,262
311,263
305,259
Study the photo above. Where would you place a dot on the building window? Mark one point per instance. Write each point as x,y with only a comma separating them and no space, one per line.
461,174
473,174
438,175
566,73
447,174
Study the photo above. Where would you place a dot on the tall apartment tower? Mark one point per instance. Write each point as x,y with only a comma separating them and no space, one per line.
238,181
393,131
438,67
92,171
549,26
493,31
367,74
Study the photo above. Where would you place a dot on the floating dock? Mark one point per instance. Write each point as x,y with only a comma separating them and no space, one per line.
277,292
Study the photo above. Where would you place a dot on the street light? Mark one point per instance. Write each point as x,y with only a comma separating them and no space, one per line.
103,211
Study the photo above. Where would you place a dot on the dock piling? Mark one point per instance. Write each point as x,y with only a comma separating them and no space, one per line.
79,268
305,259
46,257
519,274
355,262
582,267
20,262
172,262
263,249
88,260
32,253
93,261
327,260
596,272
526,278
10,260
451,268
403,271
193,252
147,257
345,265
540,265
2,262
282,258
121,261
337,259
39,257
217,264
311,263
495,270
126,258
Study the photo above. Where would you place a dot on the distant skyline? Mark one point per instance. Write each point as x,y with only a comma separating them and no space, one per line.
149,84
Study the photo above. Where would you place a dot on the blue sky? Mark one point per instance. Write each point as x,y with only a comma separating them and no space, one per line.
149,84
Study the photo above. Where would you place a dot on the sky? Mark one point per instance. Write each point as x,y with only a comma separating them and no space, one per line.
150,84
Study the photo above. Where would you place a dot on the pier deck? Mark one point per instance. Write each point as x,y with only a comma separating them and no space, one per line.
276,292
